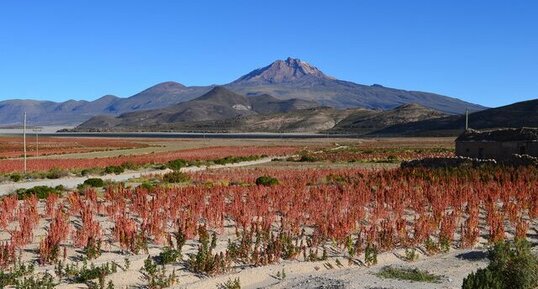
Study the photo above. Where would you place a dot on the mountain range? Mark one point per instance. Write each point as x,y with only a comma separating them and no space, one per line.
286,80
221,110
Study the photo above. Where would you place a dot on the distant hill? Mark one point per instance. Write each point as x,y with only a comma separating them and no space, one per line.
73,112
221,110
311,120
217,104
283,79
367,121
520,114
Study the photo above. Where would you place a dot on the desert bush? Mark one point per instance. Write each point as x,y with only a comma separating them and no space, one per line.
156,276
177,164
87,273
45,281
307,158
15,177
15,274
232,160
41,192
266,181
94,182
204,261
56,173
114,170
168,256
176,177
512,265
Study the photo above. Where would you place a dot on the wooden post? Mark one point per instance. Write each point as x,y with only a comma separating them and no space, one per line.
24,141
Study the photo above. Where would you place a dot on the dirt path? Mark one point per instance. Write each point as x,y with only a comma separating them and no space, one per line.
73,182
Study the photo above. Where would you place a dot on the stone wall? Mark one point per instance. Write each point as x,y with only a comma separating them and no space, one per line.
456,162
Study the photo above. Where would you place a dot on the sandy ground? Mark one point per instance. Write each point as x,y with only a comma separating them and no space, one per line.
453,266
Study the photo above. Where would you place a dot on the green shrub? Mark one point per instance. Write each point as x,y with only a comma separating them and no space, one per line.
45,281
94,182
307,158
41,192
266,181
168,256
147,185
156,276
176,177
233,160
482,279
56,173
15,177
177,164
87,273
512,265
114,170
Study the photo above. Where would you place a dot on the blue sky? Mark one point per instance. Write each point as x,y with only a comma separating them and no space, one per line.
480,51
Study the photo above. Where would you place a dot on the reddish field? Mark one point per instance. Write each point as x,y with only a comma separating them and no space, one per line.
377,154
350,211
11,147
12,165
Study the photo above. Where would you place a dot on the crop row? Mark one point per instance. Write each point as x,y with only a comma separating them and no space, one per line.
354,211
11,147
12,165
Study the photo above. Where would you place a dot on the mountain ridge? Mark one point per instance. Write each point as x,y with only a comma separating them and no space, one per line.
217,104
283,79
221,110
519,114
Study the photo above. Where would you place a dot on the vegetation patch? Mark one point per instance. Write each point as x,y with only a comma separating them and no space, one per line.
409,274
114,170
40,192
56,173
176,177
230,284
512,265
177,164
94,182
266,181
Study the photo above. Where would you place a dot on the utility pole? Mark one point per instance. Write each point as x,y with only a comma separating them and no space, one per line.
466,119
24,141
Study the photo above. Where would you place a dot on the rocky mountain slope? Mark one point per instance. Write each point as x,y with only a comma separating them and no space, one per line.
520,114
368,121
221,110
293,78
217,104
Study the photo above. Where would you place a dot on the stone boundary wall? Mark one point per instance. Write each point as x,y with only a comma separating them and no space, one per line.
456,162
